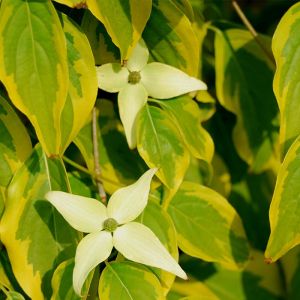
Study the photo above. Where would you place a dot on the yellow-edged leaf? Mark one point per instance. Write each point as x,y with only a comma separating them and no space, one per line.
285,46
208,227
35,235
160,145
83,85
124,20
284,209
15,144
244,86
34,65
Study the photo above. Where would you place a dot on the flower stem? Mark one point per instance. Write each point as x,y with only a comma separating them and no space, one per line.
98,180
251,29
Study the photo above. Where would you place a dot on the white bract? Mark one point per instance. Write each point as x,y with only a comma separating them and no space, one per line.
138,80
113,226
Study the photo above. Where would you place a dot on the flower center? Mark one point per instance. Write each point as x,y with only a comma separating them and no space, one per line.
134,77
110,225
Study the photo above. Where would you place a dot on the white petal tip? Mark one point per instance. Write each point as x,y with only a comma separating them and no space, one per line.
203,86
182,275
198,85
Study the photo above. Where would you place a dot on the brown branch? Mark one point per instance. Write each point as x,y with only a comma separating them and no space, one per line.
96,157
251,29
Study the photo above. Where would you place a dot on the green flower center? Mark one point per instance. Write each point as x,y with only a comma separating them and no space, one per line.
110,225
134,77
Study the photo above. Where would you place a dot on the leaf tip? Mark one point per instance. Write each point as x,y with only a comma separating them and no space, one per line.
268,260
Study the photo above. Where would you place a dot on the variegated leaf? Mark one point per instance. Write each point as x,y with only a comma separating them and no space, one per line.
128,280
208,227
34,65
62,283
124,20
285,46
160,145
15,144
186,115
35,235
284,209
104,50
171,39
244,87
213,282
83,87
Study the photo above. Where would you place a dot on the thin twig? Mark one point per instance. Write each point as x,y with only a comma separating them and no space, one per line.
252,30
77,166
86,171
96,157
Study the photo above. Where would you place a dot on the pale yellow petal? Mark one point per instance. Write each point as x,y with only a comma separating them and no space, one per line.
162,81
138,243
91,251
127,203
139,57
82,213
130,100
112,77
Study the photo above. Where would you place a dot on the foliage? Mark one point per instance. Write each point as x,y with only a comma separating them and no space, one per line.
204,102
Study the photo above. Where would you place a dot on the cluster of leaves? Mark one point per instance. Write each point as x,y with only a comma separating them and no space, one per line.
222,154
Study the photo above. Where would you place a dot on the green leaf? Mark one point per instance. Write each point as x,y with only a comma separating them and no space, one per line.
284,209
103,48
208,227
129,281
119,165
244,87
159,144
35,235
161,224
124,21
83,84
15,145
186,115
285,46
170,37
34,65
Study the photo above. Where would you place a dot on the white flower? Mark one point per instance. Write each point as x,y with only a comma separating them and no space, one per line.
138,80
113,226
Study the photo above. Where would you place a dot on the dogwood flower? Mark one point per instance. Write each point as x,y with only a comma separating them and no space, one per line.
113,226
137,80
